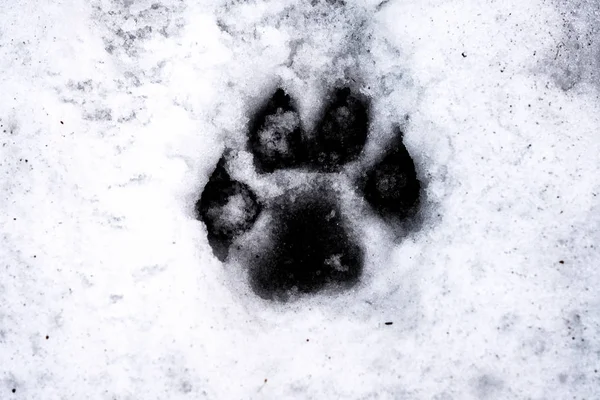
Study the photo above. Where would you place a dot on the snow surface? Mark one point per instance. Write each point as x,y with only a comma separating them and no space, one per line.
114,113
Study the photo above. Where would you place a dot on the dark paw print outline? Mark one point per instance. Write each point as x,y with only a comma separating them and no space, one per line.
309,246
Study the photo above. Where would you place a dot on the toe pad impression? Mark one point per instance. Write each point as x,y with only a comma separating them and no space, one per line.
392,187
228,208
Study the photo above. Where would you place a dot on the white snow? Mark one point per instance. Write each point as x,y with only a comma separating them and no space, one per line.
114,113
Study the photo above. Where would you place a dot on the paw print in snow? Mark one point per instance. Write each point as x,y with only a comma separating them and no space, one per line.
307,242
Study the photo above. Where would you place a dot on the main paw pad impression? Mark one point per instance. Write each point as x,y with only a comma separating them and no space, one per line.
308,243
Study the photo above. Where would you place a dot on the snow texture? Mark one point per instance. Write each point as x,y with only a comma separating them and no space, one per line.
114,115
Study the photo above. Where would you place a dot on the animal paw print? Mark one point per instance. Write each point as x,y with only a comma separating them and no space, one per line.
302,240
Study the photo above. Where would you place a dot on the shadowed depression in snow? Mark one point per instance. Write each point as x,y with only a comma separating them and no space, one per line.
309,245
